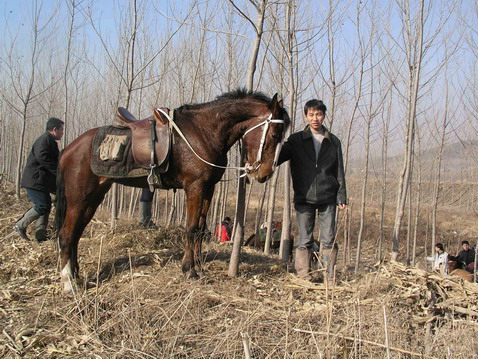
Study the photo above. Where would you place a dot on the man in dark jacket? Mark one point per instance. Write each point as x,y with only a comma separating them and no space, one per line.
318,179
466,256
39,180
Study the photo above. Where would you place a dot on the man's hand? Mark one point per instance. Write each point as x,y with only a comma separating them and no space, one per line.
342,206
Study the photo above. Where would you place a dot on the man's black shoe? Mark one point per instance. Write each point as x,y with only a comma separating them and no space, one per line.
41,235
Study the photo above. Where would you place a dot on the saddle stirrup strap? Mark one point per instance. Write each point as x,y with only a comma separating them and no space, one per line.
153,181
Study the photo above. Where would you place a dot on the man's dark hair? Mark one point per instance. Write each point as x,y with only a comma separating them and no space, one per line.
53,122
465,242
314,105
440,245
227,219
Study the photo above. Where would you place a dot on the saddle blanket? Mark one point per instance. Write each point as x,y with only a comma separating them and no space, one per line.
112,155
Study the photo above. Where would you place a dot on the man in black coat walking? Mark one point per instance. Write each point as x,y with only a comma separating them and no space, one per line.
318,178
39,180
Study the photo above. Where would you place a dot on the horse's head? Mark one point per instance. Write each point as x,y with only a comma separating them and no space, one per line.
262,141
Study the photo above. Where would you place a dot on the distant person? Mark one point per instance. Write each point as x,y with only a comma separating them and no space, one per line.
466,257
224,230
39,180
318,178
146,209
262,234
440,259
276,233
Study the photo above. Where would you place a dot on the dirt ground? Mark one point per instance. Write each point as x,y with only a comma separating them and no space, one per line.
133,302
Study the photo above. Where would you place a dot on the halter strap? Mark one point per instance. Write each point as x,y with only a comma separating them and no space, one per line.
267,122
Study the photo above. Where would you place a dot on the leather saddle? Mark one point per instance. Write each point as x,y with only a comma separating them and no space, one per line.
150,137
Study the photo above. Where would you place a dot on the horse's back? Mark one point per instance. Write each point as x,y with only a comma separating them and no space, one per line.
78,152
82,142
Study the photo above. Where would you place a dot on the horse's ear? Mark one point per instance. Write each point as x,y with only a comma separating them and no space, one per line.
281,103
274,104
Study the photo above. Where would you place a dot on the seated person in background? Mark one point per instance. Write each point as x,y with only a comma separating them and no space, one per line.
275,234
259,241
262,234
440,259
224,230
277,231
466,257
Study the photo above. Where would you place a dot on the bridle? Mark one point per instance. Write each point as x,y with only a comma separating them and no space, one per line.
248,169
266,125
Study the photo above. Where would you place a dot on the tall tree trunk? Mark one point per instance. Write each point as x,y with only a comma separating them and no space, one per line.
270,211
292,62
66,71
331,53
241,186
260,208
417,207
383,192
437,176
367,139
415,67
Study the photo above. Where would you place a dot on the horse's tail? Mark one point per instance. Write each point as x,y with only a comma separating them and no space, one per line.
60,213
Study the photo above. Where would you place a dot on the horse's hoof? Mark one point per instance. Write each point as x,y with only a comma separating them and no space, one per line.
67,289
191,274
69,286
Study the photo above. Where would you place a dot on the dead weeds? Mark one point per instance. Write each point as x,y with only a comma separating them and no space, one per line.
133,302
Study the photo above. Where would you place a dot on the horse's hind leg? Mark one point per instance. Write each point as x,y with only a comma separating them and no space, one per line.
206,203
198,201
80,211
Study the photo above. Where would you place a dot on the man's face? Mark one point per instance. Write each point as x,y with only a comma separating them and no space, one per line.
466,246
315,118
57,132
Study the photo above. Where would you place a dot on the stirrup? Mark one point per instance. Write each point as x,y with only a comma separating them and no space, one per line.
153,180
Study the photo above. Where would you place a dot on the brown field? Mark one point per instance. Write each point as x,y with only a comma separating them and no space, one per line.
133,302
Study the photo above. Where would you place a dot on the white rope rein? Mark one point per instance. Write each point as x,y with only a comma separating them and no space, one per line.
249,168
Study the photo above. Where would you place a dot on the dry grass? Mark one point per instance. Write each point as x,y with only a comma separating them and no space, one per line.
133,302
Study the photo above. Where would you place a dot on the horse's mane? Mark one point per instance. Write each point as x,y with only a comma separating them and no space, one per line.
237,94
241,93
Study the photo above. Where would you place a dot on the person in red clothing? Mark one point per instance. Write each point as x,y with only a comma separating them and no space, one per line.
223,231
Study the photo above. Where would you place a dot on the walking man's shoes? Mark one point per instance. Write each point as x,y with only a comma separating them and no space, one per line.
41,235
22,232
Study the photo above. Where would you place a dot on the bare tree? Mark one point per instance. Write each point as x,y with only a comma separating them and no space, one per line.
241,186
416,46
23,77
292,62
72,6
372,109
415,54
438,172
384,169
418,196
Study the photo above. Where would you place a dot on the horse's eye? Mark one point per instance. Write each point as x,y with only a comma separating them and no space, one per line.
274,135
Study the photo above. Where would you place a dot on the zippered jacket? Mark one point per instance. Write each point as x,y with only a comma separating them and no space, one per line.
316,180
42,162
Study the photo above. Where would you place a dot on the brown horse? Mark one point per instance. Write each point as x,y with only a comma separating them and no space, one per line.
211,129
